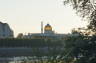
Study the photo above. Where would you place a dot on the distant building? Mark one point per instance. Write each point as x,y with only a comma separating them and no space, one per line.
48,29
48,33
5,31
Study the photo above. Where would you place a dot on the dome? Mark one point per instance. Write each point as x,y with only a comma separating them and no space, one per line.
48,27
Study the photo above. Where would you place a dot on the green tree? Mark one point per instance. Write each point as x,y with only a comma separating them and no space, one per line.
20,35
87,50
82,48
86,9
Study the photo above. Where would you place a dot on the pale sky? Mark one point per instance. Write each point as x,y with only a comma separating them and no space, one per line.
25,16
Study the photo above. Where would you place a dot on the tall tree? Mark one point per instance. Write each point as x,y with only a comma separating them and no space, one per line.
85,48
86,9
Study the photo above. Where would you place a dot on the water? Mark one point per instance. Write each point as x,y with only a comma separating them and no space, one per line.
34,59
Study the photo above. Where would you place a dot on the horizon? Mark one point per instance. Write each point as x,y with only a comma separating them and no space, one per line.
25,16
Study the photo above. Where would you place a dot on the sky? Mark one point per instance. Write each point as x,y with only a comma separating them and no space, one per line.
25,16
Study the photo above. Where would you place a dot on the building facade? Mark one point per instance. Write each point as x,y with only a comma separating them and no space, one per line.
47,33
5,31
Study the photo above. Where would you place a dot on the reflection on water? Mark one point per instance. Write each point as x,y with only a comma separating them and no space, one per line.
34,59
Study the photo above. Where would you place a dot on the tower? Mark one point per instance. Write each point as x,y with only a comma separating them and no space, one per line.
41,26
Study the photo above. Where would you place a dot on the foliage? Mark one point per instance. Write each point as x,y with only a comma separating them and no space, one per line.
32,47
86,9
20,35
84,48
81,48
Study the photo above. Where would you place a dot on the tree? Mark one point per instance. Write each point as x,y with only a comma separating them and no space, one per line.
84,49
79,48
86,9
20,35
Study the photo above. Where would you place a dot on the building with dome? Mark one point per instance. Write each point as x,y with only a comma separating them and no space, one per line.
46,32
48,29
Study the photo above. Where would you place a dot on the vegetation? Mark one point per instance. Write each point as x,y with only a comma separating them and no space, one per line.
29,43
30,47
83,48
86,9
